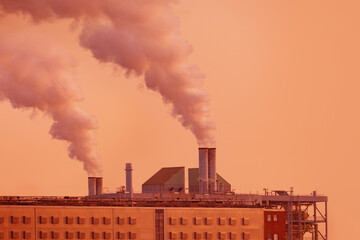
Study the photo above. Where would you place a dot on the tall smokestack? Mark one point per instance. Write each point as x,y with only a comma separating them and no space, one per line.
129,188
203,171
92,185
212,169
99,185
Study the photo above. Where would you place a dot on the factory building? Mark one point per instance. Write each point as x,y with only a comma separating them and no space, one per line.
164,210
145,223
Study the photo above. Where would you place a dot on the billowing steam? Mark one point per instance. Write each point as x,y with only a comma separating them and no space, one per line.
143,37
43,80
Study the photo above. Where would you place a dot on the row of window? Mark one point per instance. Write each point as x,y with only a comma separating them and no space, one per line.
210,235
272,218
68,235
208,221
71,220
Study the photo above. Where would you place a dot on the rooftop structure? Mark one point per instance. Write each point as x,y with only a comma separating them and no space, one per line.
221,185
170,179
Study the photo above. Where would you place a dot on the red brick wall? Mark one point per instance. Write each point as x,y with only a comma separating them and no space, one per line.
274,226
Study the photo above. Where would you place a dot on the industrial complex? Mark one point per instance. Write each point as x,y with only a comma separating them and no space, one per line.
167,209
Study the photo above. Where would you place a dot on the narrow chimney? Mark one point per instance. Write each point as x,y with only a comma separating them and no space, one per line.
212,169
203,171
92,186
129,187
99,185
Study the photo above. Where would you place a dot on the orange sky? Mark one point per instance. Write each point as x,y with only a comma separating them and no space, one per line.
283,77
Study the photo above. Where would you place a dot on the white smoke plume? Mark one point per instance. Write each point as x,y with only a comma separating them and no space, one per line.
36,75
143,37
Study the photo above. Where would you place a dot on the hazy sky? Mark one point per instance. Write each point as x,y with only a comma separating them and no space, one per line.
283,77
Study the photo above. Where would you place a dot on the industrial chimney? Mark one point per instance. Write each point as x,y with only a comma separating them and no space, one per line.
212,169
207,170
129,188
203,171
99,185
92,186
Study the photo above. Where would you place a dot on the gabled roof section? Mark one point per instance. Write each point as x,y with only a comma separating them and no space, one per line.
165,175
222,180
194,176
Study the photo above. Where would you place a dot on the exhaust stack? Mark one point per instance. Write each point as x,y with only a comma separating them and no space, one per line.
212,169
129,187
92,186
203,171
99,185
207,170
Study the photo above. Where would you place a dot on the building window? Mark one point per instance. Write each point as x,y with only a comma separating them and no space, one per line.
246,221
95,235
55,235
246,235
26,235
120,235
26,220
94,220
270,236
184,221
1,220
232,235
275,218
80,235
232,221
14,235
276,236
132,220
269,218
42,220
69,235
197,235
208,221
172,221
184,235
120,221
197,221
14,220
106,235
173,235
42,235
132,235
222,235
208,235
54,220
80,220
106,221
222,221
69,220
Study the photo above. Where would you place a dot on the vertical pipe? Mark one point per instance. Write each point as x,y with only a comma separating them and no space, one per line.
92,186
212,169
203,170
326,221
99,185
129,187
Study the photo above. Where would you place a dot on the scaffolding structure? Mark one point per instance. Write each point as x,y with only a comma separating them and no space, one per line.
305,214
